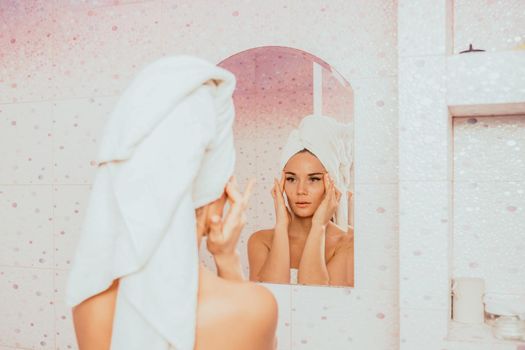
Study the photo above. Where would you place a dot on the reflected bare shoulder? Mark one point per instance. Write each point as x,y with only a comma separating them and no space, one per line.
262,237
340,239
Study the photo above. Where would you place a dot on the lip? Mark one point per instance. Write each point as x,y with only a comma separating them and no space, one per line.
302,204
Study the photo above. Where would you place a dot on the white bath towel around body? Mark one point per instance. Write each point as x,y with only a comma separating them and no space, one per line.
166,150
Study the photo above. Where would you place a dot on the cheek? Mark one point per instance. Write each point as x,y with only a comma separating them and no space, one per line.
317,192
288,193
289,189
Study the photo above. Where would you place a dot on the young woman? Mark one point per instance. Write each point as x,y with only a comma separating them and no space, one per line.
165,161
304,240
311,242
225,301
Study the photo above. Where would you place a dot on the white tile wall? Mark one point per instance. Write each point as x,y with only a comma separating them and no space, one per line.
27,226
489,201
88,51
489,25
26,143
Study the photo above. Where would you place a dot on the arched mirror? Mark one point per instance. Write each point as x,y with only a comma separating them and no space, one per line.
294,124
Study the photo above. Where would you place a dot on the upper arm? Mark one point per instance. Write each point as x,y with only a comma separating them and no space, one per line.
93,319
341,265
257,254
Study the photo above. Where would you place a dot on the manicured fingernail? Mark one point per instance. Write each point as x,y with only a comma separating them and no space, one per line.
215,219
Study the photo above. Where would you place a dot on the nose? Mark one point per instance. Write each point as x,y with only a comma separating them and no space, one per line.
301,188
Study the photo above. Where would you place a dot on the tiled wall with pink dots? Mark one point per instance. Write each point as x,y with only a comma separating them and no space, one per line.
63,65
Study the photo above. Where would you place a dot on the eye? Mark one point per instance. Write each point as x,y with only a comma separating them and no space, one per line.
290,179
315,179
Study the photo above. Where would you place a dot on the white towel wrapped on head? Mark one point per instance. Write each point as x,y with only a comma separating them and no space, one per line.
166,150
330,142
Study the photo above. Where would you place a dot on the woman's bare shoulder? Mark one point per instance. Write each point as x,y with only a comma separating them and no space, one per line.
261,236
249,308
258,298
263,302
339,237
258,315
228,304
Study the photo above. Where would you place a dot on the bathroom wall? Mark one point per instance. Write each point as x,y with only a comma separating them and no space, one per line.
489,157
439,164
63,65
489,201
491,25
489,226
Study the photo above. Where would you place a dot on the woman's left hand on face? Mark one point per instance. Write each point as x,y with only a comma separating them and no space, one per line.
224,232
328,206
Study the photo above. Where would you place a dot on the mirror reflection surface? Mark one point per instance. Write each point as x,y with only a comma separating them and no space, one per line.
294,134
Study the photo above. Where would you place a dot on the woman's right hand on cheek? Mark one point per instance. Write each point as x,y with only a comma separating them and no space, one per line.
282,214
328,206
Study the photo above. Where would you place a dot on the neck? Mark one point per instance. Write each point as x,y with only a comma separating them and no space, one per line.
299,227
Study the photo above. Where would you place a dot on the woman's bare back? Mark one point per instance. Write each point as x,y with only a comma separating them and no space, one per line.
223,306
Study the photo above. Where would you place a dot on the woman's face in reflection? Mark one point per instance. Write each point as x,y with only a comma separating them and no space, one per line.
304,185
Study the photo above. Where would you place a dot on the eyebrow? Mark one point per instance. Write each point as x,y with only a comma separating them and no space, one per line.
294,174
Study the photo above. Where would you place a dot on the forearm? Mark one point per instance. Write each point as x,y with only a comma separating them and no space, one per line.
229,266
312,267
276,268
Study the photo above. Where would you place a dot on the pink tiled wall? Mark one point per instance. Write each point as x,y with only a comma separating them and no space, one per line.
63,65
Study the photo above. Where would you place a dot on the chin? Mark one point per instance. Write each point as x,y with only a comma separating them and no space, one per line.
303,213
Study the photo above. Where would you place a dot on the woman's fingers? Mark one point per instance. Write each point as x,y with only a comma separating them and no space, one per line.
333,194
278,192
281,209
248,192
238,202
215,233
224,232
337,196
232,192
275,189
329,189
282,182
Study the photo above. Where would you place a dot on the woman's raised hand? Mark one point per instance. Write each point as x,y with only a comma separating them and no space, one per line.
282,214
328,206
224,233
